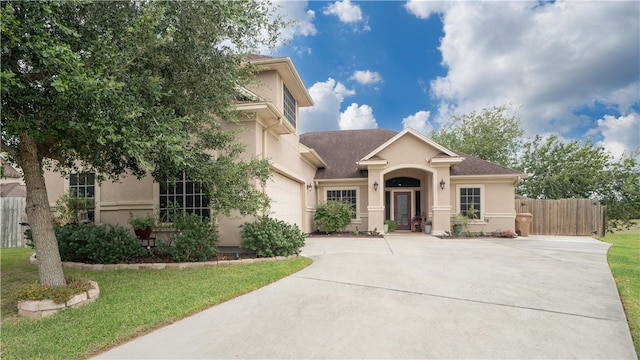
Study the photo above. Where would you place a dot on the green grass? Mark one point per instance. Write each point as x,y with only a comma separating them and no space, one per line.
131,303
624,261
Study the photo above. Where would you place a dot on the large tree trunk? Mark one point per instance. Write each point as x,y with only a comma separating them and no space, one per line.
39,214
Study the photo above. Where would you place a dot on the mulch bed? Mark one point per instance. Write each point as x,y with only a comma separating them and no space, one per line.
345,234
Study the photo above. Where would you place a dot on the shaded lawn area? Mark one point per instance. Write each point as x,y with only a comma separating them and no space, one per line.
131,303
624,261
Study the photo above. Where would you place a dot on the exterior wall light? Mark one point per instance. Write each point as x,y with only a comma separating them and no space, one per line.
309,186
375,185
442,184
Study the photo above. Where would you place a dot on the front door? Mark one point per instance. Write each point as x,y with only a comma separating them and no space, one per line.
402,210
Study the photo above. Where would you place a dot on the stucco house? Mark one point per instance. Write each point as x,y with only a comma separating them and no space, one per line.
382,173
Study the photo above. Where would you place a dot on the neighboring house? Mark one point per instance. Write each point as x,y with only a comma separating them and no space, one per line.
11,182
383,174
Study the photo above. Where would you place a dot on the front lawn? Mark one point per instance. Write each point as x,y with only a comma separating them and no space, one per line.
131,303
624,261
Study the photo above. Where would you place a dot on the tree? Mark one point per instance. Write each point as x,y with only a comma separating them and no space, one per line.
491,134
561,170
621,191
129,88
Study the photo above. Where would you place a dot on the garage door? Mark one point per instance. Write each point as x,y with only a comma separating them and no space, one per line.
286,199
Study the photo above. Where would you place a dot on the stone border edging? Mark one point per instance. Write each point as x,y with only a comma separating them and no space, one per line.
42,308
182,265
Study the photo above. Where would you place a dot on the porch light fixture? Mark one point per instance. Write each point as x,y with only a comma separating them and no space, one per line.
309,186
375,185
442,184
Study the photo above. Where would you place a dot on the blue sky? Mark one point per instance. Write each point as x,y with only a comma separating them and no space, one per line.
570,69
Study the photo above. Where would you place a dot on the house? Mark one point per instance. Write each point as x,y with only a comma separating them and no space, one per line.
11,182
383,174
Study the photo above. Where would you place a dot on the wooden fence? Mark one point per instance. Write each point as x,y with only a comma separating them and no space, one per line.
564,216
11,215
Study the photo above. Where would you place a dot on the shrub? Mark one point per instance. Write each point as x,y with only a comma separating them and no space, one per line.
194,239
59,294
333,216
94,244
269,237
69,205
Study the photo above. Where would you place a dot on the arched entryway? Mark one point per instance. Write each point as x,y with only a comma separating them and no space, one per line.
405,199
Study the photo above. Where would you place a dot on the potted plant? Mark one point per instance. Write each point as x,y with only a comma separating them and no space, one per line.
428,225
459,221
142,225
389,226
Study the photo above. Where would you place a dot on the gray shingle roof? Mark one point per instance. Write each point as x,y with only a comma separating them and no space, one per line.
341,150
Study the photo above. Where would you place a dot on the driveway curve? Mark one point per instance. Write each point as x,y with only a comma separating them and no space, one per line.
415,296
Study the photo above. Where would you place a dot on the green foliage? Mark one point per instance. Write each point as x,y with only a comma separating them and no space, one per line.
491,134
95,244
333,216
561,170
194,238
141,222
59,294
391,225
269,237
68,205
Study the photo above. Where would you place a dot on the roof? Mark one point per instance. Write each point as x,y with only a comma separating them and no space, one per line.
284,66
475,166
341,150
9,171
13,190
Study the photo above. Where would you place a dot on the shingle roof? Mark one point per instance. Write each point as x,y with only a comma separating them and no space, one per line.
341,150
476,166
13,190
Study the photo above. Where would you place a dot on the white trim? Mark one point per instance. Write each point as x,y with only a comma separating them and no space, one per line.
414,133
481,216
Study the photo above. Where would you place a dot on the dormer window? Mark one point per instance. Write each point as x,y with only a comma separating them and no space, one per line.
290,107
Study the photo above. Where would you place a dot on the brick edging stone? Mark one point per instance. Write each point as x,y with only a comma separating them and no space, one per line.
43,308
182,265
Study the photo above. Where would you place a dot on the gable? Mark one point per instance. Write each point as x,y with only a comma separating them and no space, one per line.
408,150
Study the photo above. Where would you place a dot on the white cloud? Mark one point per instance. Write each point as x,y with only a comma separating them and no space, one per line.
552,58
301,23
419,122
325,114
357,117
620,134
347,13
366,77
424,9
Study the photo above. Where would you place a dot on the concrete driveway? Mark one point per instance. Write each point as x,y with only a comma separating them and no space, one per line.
408,296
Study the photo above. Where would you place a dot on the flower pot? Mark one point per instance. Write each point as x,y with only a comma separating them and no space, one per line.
143,234
427,229
386,228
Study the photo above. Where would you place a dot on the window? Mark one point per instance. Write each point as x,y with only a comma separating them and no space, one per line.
83,185
289,107
470,202
184,194
347,196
